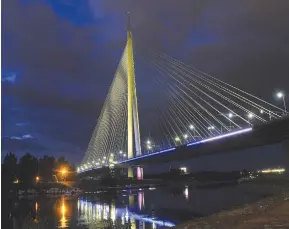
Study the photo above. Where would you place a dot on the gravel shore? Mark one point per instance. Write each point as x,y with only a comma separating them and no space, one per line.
272,212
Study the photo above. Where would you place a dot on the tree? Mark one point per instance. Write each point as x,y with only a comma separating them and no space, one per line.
10,159
28,167
47,165
9,169
61,162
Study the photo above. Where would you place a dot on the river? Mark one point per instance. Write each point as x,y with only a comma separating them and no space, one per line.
143,208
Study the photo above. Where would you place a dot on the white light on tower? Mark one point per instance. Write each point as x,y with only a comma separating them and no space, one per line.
185,136
230,115
124,154
250,115
261,111
192,127
177,139
149,147
148,142
120,152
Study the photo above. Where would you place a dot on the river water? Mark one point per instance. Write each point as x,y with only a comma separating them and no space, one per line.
143,208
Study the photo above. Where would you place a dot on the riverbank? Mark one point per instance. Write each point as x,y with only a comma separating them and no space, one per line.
272,212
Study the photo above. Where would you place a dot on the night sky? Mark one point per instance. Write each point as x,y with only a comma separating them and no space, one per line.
59,58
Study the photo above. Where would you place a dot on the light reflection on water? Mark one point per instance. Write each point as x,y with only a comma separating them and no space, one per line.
62,212
109,215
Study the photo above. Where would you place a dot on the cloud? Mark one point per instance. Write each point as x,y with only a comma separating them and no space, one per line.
26,136
11,78
22,124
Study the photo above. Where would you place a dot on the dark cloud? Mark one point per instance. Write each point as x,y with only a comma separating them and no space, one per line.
59,57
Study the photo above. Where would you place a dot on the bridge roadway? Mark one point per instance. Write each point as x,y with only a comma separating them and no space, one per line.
270,133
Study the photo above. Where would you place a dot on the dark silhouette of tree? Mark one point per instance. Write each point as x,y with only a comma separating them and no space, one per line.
10,159
9,169
28,168
47,166
61,161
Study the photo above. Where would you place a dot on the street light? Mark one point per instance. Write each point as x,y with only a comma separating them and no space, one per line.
63,171
250,115
177,139
191,127
230,115
282,95
37,179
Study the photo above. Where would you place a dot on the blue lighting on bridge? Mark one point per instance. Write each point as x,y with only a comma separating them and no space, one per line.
144,156
220,136
190,144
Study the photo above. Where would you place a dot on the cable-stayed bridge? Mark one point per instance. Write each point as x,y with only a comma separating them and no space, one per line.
191,110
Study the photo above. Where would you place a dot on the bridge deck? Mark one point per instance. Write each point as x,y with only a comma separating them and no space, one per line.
274,132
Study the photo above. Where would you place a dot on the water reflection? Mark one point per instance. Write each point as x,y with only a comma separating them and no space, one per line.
93,214
141,200
36,213
63,211
186,193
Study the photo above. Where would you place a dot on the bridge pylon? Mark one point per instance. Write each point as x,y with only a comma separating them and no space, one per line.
132,106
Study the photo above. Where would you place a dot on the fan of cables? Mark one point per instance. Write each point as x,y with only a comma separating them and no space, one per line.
198,106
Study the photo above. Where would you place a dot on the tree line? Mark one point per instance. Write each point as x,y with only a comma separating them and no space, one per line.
30,169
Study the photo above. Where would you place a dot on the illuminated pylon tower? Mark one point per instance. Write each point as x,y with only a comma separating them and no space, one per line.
132,107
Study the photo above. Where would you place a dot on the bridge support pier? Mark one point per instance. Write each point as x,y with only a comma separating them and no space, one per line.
130,173
139,172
